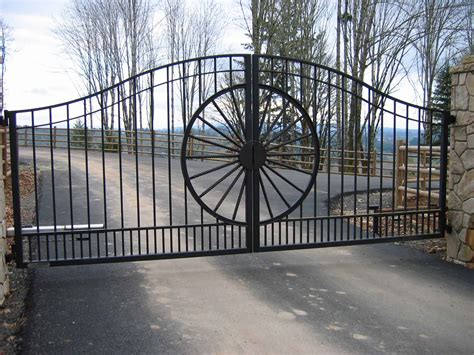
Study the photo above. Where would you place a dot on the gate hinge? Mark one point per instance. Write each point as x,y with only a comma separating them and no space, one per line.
450,119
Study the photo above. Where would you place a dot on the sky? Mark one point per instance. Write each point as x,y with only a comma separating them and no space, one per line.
39,73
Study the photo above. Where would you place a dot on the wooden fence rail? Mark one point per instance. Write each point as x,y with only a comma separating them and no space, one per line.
417,175
374,163
417,168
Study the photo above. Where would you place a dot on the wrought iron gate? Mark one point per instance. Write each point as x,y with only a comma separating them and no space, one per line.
223,155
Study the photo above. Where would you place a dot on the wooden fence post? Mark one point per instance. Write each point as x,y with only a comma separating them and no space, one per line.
399,175
3,137
54,137
373,170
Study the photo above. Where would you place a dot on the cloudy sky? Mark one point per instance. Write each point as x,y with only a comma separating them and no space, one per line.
38,71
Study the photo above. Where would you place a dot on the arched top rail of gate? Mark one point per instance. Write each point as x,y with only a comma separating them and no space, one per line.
330,78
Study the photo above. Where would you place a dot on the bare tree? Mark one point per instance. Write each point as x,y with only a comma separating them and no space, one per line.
5,38
110,41
295,29
192,31
439,25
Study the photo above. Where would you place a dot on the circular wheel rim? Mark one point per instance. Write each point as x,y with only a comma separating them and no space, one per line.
240,169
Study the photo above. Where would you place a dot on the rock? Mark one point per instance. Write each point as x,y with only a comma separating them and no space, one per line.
455,178
460,147
452,246
470,129
455,165
454,79
467,220
460,133
461,98
469,239
454,203
470,83
456,219
465,253
470,138
468,206
468,159
466,185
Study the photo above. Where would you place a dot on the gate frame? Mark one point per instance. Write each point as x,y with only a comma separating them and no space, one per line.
252,242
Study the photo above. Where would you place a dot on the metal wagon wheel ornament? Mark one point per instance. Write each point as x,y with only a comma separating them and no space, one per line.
215,154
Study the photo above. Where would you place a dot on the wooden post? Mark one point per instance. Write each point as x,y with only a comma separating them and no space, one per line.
399,174
3,137
373,170
191,146
54,137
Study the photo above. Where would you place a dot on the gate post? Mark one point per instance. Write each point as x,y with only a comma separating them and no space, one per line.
251,127
18,247
4,279
460,239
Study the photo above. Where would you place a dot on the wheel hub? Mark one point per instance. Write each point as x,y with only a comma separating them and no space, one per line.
253,155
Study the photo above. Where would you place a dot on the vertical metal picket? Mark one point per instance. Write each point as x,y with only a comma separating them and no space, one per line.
254,129
249,193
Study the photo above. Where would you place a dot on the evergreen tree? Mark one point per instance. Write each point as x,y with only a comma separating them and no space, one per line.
442,93
441,100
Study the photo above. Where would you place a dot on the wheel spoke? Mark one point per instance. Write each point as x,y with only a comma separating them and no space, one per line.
228,190
289,167
283,178
213,143
213,169
219,181
239,115
212,156
269,100
287,128
269,208
231,126
218,131
289,142
276,120
275,188
236,209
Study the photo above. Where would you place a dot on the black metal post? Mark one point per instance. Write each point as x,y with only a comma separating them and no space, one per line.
18,248
254,128
443,172
248,137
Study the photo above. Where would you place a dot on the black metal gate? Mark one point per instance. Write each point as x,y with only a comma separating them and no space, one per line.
223,155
